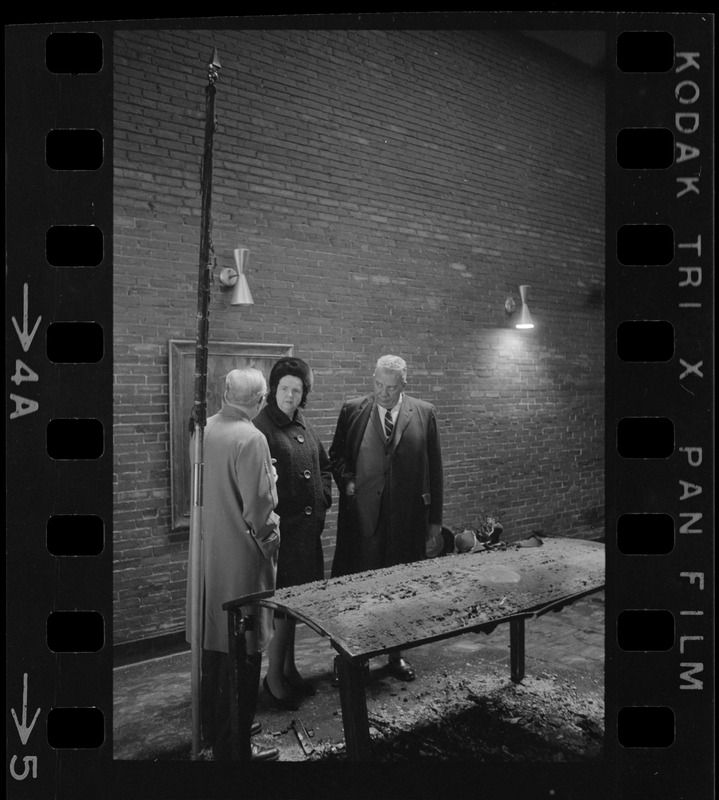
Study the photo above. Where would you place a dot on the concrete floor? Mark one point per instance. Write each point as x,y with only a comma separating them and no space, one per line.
565,672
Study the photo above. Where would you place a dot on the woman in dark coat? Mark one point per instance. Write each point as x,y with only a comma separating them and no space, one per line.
304,487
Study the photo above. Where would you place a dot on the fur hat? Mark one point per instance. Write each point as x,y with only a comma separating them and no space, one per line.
289,365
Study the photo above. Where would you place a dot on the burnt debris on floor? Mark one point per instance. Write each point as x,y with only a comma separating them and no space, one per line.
487,719
462,705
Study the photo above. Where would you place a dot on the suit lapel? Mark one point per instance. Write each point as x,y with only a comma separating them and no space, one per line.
405,414
358,426
377,424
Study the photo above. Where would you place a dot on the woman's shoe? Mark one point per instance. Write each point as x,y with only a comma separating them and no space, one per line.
283,703
301,686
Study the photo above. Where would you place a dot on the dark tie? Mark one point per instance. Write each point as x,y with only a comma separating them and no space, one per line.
388,424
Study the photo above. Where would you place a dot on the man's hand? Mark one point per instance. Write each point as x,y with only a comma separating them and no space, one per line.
350,489
434,542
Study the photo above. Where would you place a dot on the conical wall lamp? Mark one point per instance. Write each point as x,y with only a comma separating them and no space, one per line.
241,294
525,321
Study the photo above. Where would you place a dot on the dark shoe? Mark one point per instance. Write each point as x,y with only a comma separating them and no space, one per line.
283,703
302,687
264,753
256,728
401,669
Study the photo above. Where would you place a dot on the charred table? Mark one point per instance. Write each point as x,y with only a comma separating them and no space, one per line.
373,613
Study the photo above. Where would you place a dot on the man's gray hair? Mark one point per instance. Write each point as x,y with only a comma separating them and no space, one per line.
244,387
393,364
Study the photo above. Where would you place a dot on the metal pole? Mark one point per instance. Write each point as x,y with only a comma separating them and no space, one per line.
199,409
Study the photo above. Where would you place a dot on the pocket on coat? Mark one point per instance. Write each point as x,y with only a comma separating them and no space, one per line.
269,544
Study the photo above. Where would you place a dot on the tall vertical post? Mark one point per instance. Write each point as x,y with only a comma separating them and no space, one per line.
199,409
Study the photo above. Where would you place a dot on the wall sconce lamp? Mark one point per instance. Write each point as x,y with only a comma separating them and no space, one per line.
236,280
524,319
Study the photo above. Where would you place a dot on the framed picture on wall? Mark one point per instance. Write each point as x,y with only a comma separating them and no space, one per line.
221,358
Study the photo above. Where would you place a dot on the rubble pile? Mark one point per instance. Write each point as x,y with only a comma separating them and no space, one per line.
488,718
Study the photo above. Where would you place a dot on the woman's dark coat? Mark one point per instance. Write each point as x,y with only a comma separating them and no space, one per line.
304,487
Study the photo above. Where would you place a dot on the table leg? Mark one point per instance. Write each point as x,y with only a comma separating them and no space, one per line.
354,708
516,649
240,677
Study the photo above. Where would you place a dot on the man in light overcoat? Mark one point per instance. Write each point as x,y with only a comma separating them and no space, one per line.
240,540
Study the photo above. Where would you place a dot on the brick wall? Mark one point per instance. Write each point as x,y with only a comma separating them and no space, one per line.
394,187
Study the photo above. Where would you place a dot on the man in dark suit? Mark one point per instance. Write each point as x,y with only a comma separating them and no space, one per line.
387,462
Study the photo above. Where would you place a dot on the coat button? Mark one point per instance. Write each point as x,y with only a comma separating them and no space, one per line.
308,510
301,439
307,474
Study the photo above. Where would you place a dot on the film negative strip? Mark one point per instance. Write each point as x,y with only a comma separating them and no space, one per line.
659,404
659,722
59,403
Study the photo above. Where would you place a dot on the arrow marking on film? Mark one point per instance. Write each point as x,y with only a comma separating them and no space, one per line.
25,338
23,728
